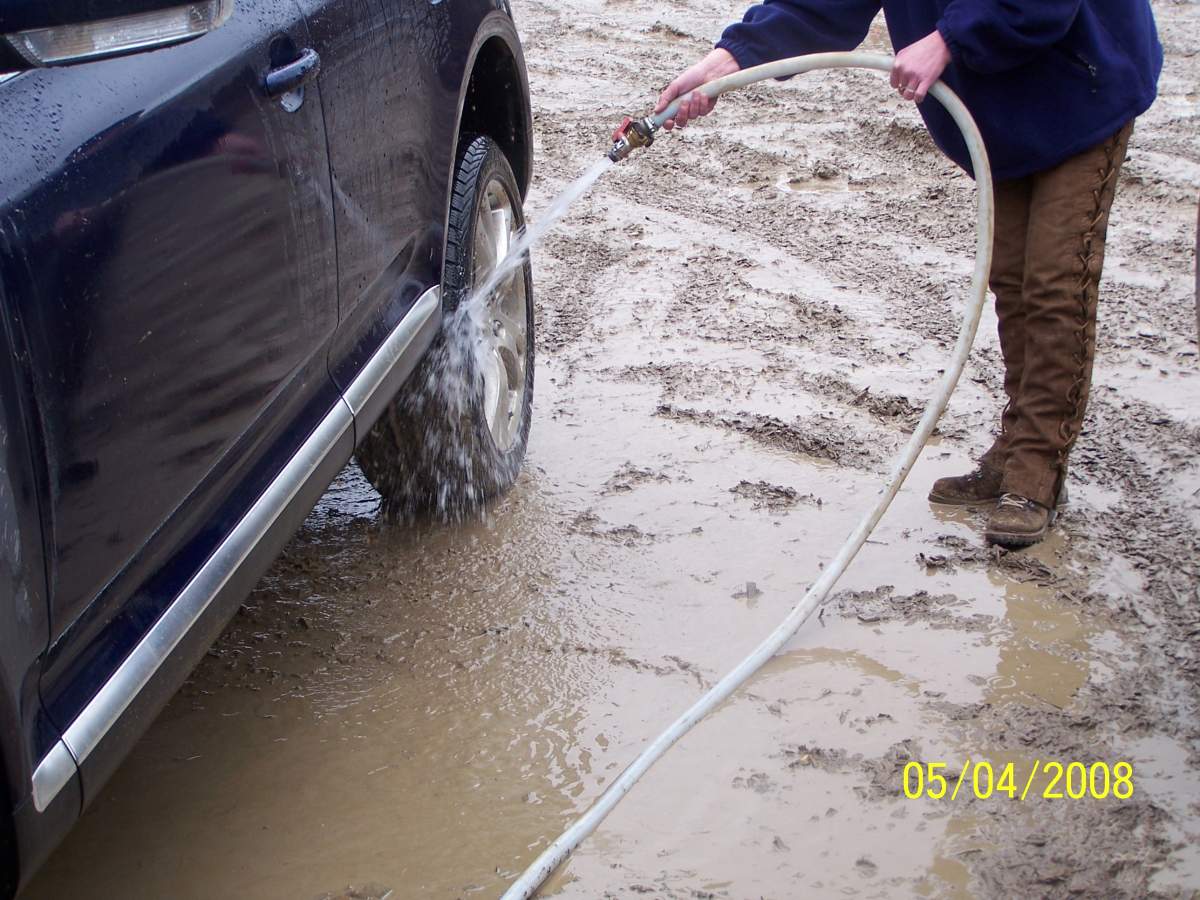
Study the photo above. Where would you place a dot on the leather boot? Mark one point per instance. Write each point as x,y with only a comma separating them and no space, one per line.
1018,522
973,489
1064,223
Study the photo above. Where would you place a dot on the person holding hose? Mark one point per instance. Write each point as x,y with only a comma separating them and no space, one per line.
1054,86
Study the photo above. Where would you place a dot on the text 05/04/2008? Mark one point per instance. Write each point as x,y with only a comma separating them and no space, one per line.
1046,780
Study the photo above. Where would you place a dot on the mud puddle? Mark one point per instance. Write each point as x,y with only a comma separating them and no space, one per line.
420,710
727,365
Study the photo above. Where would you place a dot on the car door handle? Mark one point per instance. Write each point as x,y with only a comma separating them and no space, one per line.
287,78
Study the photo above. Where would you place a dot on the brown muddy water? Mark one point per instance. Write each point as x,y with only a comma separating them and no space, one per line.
737,330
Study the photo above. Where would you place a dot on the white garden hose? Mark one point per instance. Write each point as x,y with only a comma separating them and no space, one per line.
558,851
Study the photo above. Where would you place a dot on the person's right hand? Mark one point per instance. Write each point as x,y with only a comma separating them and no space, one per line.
715,65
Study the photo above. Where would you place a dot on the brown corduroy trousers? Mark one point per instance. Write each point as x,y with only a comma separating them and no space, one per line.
1046,261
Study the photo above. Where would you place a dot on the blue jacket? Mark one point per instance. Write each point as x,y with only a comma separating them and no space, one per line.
1044,79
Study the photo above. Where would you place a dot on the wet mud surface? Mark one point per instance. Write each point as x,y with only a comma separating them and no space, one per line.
737,330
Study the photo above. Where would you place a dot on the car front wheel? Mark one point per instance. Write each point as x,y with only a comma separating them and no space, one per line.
456,434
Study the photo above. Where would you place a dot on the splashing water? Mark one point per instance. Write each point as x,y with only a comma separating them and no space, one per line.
531,234
454,466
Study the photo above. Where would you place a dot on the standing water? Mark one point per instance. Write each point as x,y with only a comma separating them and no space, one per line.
469,401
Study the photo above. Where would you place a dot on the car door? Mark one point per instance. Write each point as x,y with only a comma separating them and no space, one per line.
171,233
389,86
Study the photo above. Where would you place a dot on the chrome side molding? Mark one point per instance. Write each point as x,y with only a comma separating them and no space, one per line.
392,350
85,733
52,774
103,711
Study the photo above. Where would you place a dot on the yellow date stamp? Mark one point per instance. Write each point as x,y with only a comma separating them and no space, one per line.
1046,779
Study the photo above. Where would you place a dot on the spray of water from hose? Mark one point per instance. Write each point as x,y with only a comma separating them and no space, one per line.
640,133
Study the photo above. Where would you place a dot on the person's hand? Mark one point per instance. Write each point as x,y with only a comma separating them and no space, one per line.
918,66
715,65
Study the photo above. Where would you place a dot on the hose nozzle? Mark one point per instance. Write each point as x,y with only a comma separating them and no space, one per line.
631,134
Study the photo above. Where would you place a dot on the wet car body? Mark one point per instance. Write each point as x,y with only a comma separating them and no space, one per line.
209,290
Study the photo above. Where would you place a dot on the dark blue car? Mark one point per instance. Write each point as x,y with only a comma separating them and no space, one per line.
230,234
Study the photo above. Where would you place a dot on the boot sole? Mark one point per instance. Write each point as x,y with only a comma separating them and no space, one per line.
958,501
1020,539
1012,539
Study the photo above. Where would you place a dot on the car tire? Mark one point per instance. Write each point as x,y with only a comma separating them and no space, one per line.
455,436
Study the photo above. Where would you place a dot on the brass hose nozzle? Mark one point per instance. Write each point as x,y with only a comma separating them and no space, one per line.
631,134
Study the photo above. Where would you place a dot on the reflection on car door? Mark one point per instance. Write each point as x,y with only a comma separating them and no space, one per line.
391,118
180,248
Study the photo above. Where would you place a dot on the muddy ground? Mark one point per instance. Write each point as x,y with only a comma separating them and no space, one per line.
737,329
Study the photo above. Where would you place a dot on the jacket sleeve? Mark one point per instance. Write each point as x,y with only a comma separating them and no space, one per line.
777,29
995,35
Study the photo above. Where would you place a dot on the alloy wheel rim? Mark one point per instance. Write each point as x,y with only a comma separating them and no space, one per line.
501,319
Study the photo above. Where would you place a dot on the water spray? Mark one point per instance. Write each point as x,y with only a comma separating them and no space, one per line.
635,133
